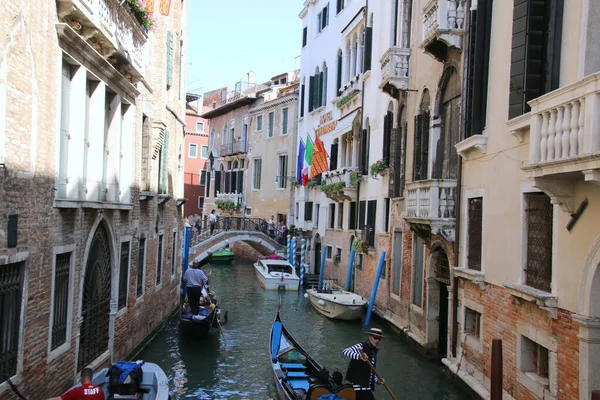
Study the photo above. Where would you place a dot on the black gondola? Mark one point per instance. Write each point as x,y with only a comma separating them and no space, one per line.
297,375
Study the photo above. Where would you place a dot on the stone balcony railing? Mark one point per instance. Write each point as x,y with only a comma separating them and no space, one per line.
235,198
112,30
236,147
564,139
431,200
443,20
394,69
350,191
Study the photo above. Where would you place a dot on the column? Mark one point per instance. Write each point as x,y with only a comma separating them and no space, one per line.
352,59
359,53
347,58
127,143
589,354
345,67
112,148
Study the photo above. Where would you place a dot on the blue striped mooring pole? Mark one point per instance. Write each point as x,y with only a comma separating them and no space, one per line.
289,249
350,269
302,251
322,272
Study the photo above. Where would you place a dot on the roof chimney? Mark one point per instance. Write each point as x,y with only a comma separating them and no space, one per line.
251,77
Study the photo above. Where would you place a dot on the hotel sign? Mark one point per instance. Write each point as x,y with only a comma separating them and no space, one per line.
326,124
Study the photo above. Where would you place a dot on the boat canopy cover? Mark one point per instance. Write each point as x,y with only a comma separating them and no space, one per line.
275,339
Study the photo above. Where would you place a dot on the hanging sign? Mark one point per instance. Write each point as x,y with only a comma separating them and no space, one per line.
326,124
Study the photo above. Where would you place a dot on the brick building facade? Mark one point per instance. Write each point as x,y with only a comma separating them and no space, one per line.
90,185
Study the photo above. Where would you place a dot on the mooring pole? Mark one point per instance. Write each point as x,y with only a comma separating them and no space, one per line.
496,374
350,267
289,249
302,251
185,257
322,272
293,253
374,290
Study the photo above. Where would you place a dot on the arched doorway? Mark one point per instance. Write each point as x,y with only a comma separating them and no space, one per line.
437,297
95,309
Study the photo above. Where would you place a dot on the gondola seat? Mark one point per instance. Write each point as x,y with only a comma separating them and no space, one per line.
297,374
299,383
293,366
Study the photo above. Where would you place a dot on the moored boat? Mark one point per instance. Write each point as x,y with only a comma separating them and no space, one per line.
151,384
334,302
297,375
197,326
222,255
276,275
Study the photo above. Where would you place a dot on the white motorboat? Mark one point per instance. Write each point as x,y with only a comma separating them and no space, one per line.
276,275
334,302
154,384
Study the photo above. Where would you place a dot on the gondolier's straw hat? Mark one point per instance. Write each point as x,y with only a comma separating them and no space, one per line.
375,332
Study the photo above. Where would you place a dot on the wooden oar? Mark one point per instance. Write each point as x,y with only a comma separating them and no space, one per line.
379,376
217,317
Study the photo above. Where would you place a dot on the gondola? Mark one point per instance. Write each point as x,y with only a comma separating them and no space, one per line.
198,326
297,375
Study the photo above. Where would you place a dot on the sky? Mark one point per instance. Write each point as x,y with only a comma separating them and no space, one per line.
228,38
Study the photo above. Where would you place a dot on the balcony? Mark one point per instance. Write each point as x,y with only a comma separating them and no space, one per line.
564,139
443,26
394,70
232,148
431,204
112,30
341,185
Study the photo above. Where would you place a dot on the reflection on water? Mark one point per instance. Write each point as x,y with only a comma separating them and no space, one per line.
209,369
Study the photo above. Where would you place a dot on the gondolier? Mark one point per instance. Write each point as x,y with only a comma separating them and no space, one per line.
359,372
195,279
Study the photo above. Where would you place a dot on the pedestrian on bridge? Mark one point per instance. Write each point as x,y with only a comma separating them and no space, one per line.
212,221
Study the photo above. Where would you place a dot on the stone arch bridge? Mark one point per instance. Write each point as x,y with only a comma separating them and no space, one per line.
228,230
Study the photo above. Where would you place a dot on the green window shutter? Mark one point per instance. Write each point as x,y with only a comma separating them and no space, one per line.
339,74
368,48
164,163
325,87
169,58
303,89
304,36
311,93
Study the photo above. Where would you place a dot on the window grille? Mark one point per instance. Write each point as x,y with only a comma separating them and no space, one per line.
61,300
141,267
11,287
123,270
159,259
538,214
441,266
474,233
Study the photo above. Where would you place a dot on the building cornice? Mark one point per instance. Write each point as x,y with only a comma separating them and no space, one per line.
275,103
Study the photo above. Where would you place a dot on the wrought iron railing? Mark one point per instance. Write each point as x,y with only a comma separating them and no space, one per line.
224,224
233,148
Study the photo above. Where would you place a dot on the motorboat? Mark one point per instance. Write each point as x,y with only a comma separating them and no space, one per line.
276,275
297,375
147,382
337,303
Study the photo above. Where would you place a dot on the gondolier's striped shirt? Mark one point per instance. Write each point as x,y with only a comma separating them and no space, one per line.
353,352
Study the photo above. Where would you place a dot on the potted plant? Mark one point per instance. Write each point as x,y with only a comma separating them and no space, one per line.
378,167
360,246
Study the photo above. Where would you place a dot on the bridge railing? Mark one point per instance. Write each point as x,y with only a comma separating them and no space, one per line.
204,230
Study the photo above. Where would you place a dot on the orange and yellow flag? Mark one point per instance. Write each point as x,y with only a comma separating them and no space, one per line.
150,6
319,159
165,6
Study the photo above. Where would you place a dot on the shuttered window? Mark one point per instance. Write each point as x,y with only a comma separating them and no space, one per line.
163,164
169,58
417,297
218,178
311,93
338,86
304,36
364,151
362,210
308,210
302,93
397,263
388,122
535,57
368,49
60,299
476,67
352,216
141,267
207,191
333,156
421,159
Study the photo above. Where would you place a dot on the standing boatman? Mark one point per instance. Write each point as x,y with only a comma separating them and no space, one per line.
359,373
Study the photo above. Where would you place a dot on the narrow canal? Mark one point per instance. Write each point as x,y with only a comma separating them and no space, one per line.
211,369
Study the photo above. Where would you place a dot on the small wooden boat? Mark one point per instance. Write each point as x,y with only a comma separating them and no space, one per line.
297,375
222,255
154,384
334,302
276,275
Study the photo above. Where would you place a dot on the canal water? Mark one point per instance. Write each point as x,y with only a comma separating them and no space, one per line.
240,368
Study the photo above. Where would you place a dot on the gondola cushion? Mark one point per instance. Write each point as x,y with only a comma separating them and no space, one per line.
299,383
297,374
293,366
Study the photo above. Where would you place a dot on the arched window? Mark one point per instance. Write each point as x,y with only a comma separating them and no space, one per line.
340,65
421,159
388,124
446,157
365,138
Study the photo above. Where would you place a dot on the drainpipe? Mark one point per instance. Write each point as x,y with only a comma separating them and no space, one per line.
456,257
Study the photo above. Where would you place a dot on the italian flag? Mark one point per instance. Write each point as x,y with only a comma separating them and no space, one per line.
308,156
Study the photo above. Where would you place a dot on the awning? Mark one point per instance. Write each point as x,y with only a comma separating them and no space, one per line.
345,123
